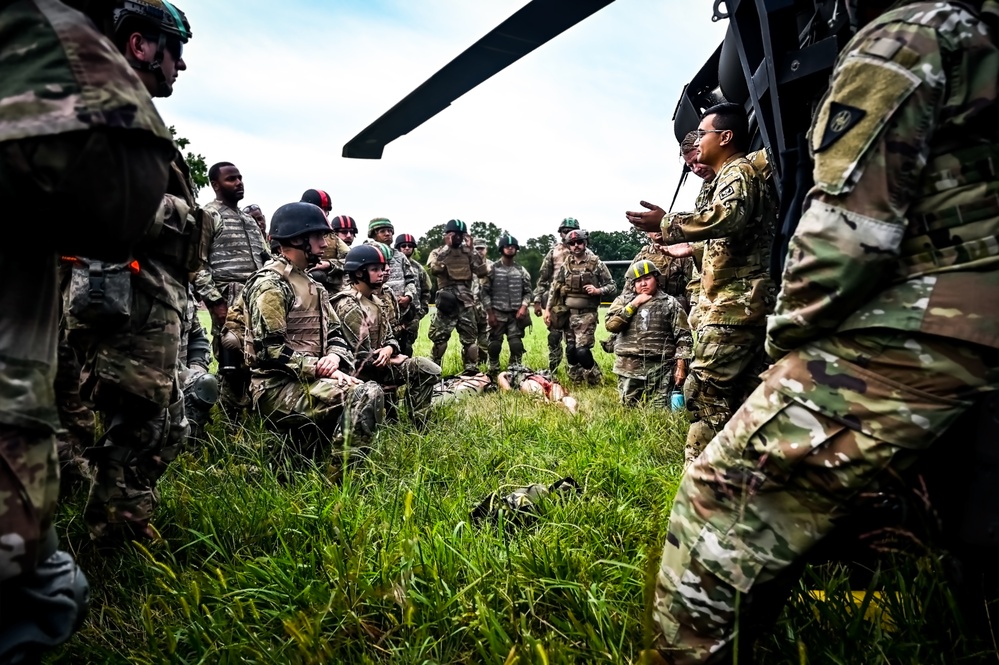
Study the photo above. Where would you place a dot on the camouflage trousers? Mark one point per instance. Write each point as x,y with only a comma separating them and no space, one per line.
648,381
830,422
234,383
466,321
508,325
725,369
481,330
582,330
77,418
321,412
29,466
131,377
558,329
408,337
415,377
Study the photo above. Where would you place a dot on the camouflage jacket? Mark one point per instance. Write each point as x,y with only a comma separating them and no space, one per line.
549,268
899,230
738,225
401,279
267,300
574,274
655,331
238,250
365,327
426,287
44,98
506,288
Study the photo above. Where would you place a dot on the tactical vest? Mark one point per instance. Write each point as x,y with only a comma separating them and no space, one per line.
579,273
650,331
305,325
459,265
239,249
507,286
954,222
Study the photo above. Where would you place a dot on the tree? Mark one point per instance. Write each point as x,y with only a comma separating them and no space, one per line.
428,243
196,163
541,244
617,246
489,233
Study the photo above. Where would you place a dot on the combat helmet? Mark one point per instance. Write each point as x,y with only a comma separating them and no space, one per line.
405,239
642,268
379,223
568,224
145,16
318,197
297,219
362,256
507,240
455,225
577,234
343,223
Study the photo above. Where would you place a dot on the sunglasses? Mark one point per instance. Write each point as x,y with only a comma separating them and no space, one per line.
576,242
175,47
404,245
346,232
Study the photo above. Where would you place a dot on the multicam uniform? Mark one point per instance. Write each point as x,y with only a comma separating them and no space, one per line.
290,325
650,339
736,295
567,291
455,268
674,274
558,327
49,121
131,372
413,326
886,324
366,330
504,291
481,320
332,277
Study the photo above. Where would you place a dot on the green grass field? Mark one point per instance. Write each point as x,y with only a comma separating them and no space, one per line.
257,565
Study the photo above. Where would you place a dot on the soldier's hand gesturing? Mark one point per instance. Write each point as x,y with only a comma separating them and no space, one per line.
537,309
649,219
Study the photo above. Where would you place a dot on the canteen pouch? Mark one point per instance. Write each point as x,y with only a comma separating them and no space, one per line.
100,293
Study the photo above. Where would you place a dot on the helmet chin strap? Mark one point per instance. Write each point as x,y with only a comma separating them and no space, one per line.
163,89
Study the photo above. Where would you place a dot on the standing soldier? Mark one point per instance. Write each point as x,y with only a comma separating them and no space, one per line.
578,286
406,245
400,281
329,271
369,334
237,251
300,363
653,340
254,211
455,265
737,291
885,331
506,296
558,323
91,140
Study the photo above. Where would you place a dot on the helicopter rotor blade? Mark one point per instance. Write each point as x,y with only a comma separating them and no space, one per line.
530,27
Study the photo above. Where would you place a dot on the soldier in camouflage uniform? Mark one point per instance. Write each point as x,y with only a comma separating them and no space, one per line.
506,296
737,293
131,369
455,265
370,337
301,364
254,211
345,228
400,281
406,245
885,328
78,134
558,324
654,341
329,271
579,285
238,250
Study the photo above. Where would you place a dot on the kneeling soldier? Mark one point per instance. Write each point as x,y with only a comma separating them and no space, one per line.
300,364
654,341
370,337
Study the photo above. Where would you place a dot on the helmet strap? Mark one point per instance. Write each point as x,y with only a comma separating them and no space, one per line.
155,67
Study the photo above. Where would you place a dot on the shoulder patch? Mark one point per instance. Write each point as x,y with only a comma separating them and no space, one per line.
841,119
726,192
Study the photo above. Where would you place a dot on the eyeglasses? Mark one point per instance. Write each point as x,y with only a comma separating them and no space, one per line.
701,133
576,242
404,246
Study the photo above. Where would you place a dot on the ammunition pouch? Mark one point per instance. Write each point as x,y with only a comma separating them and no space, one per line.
99,294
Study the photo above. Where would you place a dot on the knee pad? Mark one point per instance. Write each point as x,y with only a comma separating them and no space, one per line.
584,357
516,347
203,391
570,355
42,609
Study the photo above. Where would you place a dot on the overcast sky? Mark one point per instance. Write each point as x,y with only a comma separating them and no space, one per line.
581,127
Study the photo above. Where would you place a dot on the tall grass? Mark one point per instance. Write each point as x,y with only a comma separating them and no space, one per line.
263,564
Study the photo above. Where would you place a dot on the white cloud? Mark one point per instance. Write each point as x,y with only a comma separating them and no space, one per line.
580,127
